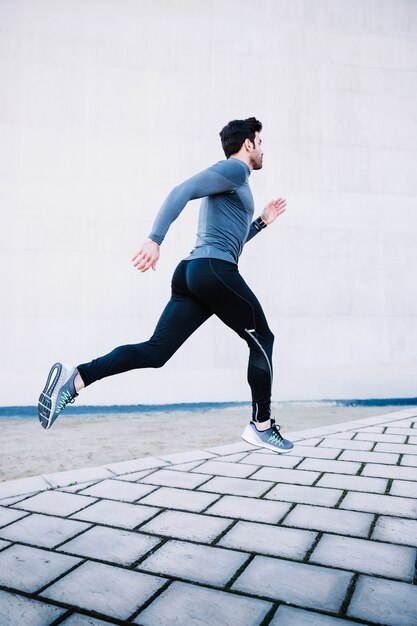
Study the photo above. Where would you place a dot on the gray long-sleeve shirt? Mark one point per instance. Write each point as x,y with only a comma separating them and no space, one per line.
225,220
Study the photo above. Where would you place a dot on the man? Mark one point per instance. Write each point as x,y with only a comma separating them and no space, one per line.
207,282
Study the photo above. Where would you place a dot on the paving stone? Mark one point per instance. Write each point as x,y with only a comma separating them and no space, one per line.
83,620
236,486
272,460
409,460
318,453
110,544
121,591
219,468
307,495
346,445
368,557
330,520
4,544
183,499
22,486
380,438
393,430
190,605
353,483
375,503
197,563
282,475
412,440
305,585
289,616
346,435
405,488
369,457
292,543
169,478
184,457
42,530
78,487
372,429
399,448
312,442
185,467
324,465
183,525
396,530
84,475
135,465
252,509
119,490
384,602
55,503
231,458
231,448
15,609
390,471
30,569
113,513
9,515
11,500
134,476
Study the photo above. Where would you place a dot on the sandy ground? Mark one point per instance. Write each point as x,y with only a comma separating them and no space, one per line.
89,440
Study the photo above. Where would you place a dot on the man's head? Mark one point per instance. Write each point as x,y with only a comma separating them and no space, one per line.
241,138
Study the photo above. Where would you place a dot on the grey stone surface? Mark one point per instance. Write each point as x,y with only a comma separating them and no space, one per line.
369,457
330,520
368,557
390,471
185,467
236,486
295,583
307,495
4,544
231,458
231,448
182,499
17,610
110,544
326,465
409,460
346,444
405,488
272,460
375,503
113,513
22,486
42,530
353,483
383,438
399,448
316,453
169,478
119,490
29,569
346,435
133,477
55,503
189,605
184,525
291,543
221,468
396,530
184,457
384,602
135,465
289,616
84,475
282,475
197,563
106,589
397,430
83,620
314,441
9,515
252,509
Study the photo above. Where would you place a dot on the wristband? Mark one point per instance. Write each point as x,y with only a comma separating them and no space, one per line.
259,224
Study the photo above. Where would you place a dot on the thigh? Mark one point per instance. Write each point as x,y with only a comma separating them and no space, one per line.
220,287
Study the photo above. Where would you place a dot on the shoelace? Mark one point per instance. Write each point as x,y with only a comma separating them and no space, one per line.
65,399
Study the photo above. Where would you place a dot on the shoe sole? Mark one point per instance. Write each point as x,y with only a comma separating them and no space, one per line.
45,402
249,438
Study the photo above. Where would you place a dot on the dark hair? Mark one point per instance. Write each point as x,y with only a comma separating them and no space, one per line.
233,135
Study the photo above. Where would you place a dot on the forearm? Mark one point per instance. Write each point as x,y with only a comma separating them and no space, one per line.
255,228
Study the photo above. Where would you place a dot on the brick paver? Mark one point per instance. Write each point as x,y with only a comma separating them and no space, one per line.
322,536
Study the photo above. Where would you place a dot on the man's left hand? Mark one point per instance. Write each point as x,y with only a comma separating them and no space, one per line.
273,210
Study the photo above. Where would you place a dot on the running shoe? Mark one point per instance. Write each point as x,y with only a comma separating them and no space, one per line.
57,393
270,438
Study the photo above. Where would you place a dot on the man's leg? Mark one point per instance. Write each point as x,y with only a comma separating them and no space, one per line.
180,318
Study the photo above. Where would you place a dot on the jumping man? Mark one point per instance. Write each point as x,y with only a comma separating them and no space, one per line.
207,282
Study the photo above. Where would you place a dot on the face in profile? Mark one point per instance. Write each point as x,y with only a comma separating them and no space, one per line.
257,154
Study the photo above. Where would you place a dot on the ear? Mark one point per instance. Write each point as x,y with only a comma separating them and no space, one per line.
248,145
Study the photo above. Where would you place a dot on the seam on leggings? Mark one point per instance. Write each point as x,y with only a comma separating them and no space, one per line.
264,353
235,292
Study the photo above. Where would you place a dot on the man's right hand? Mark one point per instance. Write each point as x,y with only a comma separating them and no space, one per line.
147,256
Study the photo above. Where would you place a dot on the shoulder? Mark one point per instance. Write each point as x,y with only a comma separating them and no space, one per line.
233,169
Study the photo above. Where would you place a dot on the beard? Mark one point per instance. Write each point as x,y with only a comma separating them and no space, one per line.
257,163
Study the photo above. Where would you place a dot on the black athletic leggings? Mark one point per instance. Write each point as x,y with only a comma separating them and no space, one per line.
201,288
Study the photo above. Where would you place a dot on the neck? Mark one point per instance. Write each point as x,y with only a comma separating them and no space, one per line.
242,157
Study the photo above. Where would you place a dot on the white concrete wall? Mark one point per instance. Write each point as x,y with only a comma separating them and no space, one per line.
106,104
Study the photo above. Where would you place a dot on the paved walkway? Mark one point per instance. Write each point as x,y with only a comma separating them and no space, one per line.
230,536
